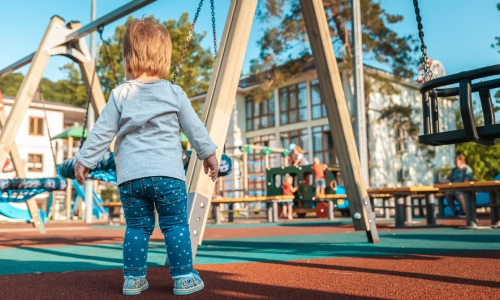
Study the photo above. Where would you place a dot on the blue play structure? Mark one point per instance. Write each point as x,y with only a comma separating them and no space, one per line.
10,211
97,208
23,189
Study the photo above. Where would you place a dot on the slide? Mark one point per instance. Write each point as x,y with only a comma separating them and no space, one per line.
17,211
97,208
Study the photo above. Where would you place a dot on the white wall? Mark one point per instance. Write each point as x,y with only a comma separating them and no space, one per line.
32,144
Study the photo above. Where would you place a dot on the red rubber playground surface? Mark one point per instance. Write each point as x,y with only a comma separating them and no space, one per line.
310,259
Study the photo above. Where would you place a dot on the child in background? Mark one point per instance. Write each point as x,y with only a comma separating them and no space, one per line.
288,190
146,115
296,156
319,176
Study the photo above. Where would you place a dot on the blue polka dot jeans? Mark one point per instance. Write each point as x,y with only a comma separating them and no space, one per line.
139,198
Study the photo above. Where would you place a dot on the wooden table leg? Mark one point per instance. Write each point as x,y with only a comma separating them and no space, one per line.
408,210
275,211
330,210
387,210
470,198
230,213
430,206
269,212
400,211
495,210
217,213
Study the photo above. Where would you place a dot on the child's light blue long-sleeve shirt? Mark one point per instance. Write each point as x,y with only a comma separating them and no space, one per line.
146,119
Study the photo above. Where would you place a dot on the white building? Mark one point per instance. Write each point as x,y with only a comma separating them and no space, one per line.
296,114
32,140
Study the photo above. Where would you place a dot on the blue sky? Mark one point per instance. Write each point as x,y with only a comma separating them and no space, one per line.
457,32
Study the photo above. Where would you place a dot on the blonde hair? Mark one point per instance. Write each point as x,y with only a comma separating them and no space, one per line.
147,48
299,150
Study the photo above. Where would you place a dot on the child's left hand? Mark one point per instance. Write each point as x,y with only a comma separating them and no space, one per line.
81,173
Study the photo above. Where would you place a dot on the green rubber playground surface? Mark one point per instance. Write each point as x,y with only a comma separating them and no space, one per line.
256,249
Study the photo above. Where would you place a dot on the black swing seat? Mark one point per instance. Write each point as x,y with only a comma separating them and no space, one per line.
433,89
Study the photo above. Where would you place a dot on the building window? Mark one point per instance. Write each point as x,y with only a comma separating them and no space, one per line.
35,162
318,109
298,137
401,137
36,126
403,174
323,145
293,106
259,114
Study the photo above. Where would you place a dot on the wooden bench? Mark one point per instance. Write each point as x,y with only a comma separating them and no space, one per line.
404,202
271,203
469,189
115,210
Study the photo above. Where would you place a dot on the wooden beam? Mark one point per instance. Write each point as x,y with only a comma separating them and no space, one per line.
218,108
28,88
338,116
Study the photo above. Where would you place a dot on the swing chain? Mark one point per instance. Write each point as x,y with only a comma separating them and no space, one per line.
89,92
186,44
427,73
213,26
47,125
100,30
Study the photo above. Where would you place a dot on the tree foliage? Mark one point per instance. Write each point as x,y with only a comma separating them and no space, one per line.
69,90
196,69
285,39
194,75
484,160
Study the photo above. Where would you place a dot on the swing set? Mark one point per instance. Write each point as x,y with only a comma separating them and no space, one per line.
70,41
433,88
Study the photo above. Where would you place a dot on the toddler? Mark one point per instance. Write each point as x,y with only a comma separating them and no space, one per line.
288,190
319,176
146,115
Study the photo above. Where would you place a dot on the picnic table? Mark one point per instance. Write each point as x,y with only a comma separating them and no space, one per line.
404,205
469,189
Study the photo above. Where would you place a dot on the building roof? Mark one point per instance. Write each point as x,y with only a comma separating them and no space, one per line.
72,113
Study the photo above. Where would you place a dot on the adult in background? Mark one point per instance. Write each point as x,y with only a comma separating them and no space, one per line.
460,173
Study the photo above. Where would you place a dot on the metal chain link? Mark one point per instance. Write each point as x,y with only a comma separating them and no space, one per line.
427,73
47,125
89,94
186,44
213,26
100,29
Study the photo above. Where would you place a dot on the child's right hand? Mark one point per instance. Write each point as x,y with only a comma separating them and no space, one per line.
211,163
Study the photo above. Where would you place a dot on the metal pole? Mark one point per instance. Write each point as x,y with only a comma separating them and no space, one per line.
89,184
359,90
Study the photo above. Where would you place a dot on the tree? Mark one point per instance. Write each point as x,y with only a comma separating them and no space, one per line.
484,160
196,68
69,90
287,39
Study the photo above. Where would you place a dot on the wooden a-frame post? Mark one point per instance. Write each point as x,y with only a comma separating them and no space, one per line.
220,100
218,108
51,44
338,117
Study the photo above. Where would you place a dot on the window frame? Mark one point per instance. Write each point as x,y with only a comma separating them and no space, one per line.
321,104
285,97
323,153
37,123
34,162
251,116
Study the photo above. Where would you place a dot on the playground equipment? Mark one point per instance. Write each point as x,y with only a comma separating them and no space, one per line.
305,198
433,88
262,183
70,41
